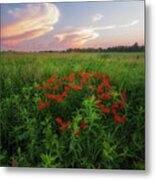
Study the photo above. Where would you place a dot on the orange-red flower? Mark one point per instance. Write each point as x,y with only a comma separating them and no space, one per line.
97,75
99,89
53,76
76,87
107,96
50,81
71,78
105,81
41,106
123,94
55,87
117,118
64,94
37,87
67,88
113,111
102,107
63,127
77,133
102,95
44,86
83,124
83,80
121,104
106,110
123,118
40,101
47,104
58,120
59,98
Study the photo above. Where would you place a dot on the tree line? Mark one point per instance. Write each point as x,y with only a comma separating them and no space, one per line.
134,48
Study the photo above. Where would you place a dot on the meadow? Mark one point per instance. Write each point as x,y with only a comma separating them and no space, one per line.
73,132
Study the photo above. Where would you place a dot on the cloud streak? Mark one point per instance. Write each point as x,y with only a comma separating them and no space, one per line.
97,17
77,38
129,24
33,21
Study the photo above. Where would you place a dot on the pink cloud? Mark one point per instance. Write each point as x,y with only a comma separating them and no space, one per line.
31,22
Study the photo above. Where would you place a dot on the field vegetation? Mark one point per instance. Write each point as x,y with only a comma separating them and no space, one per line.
72,110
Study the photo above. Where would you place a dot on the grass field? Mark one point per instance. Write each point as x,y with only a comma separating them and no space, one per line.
32,137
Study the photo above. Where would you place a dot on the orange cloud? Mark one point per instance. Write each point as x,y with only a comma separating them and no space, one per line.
31,22
81,36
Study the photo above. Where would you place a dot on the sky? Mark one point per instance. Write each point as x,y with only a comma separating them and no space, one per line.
59,26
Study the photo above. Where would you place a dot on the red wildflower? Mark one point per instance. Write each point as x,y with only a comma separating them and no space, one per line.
71,78
41,106
63,127
50,81
64,94
115,105
83,124
59,98
105,81
44,86
97,75
123,95
107,96
67,88
37,87
58,120
91,72
86,74
81,71
52,96
117,118
46,95
99,89
47,104
123,118
65,77
77,133
77,87
113,111
101,106
55,87
40,101
106,110
60,80
110,88
53,76
102,95
121,103
83,80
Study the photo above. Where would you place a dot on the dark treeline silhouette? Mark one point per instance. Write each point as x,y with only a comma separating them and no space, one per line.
133,48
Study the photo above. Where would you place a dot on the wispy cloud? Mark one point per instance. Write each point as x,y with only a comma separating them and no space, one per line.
81,36
31,22
77,38
134,22
97,17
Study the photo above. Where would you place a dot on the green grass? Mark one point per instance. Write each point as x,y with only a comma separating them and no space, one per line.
28,137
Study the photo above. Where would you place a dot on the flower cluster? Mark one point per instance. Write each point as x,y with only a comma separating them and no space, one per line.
56,89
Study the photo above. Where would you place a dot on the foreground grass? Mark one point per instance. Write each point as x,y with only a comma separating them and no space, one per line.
27,136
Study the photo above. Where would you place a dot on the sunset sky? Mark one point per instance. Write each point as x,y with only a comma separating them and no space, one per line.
59,26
